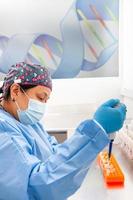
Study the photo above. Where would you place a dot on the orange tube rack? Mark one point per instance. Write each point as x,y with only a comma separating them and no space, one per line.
112,173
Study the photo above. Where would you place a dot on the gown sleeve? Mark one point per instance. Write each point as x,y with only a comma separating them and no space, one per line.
24,176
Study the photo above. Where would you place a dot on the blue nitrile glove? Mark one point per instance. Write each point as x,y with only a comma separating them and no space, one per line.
111,115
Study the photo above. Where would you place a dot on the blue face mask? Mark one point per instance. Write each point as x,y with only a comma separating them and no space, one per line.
33,113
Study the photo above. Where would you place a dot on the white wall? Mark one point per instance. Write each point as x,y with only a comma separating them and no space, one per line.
126,54
84,90
127,50
74,100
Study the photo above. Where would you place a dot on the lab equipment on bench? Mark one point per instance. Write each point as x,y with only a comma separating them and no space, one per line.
125,140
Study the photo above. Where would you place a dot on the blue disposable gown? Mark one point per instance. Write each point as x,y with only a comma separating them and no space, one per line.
33,166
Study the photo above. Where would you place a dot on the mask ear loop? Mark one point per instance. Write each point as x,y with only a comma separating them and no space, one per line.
25,93
19,81
17,102
17,105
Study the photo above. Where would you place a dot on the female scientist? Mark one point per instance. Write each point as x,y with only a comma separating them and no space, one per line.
33,166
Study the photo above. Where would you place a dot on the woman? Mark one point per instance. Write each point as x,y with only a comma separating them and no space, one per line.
32,164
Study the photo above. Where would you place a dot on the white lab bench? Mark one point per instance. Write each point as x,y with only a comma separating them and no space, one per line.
94,187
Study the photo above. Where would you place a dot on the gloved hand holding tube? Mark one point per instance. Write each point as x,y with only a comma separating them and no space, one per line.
111,116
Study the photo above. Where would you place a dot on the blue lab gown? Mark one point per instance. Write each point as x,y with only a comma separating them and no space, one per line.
33,166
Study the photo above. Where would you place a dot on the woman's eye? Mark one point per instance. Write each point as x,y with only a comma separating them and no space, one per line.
42,99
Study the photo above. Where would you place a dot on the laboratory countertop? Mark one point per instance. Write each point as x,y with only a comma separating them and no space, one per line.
94,187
